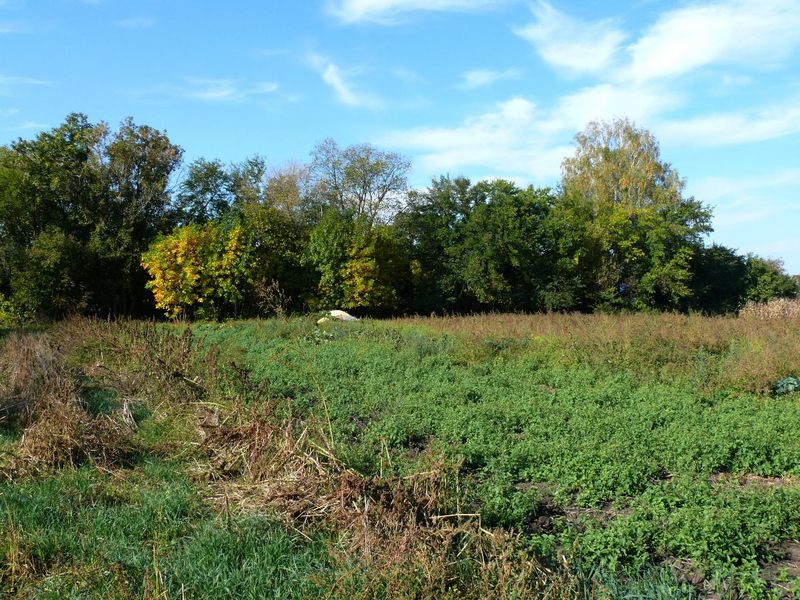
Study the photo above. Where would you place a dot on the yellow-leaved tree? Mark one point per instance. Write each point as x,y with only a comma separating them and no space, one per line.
199,270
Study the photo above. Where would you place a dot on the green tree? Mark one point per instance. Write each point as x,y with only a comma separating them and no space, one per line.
719,280
248,181
376,270
327,253
205,193
503,253
767,280
277,240
477,247
51,280
49,199
137,164
361,180
637,231
98,199
431,228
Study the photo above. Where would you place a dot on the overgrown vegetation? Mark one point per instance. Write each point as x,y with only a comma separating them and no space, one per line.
553,456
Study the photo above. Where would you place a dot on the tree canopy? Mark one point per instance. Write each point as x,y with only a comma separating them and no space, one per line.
106,222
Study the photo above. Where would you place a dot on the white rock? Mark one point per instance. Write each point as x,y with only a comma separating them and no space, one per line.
340,315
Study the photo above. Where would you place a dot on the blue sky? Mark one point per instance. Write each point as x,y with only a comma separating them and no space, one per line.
483,88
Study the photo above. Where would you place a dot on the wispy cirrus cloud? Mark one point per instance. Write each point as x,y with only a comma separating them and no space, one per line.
756,208
520,135
25,126
717,188
756,33
477,78
10,28
750,32
9,84
509,140
392,12
213,90
338,80
734,127
570,44
224,90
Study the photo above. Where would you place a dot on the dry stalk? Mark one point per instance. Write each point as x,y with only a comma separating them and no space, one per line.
779,309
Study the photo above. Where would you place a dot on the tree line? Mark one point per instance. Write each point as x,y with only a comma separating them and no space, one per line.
106,222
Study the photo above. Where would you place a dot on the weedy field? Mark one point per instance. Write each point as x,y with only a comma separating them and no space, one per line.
495,456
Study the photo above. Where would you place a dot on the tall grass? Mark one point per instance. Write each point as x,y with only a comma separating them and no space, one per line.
746,354
779,309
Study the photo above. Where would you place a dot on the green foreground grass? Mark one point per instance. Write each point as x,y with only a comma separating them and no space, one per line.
660,473
145,533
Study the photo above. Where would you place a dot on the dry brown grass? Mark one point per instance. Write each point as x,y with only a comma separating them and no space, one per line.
397,536
781,309
32,373
42,394
137,357
743,353
65,434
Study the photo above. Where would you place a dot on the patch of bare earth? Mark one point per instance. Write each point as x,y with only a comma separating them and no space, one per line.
750,480
782,573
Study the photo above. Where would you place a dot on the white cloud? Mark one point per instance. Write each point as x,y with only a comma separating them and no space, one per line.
522,141
740,190
8,112
567,43
510,141
26,126
648,79
754,213
390,12
137,23
337,80
755,33
223,90
482,77
740,202
606,101
8,83
734,127
751,32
